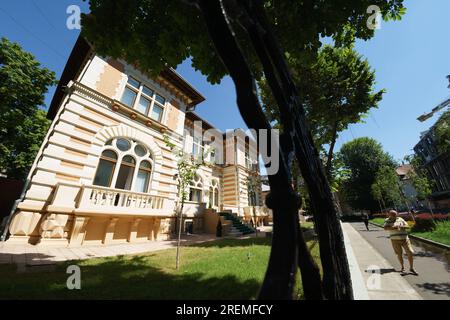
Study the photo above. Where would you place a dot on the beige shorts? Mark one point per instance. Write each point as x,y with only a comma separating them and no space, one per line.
405,244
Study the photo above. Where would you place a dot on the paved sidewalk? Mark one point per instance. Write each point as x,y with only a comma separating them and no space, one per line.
35,255
373,277
432,263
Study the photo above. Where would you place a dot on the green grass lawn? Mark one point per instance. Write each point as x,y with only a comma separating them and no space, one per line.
307,225
379,221
440,234
222,269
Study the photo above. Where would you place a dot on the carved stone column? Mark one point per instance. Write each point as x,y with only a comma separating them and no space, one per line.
150,229
24,227
78,231
133,230
109,232
156,229
53,229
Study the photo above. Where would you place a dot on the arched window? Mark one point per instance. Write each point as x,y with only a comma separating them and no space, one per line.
105,169
143,177
126,172
214,194
196,190
134,165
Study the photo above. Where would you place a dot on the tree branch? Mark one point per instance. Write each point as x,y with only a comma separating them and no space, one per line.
280,275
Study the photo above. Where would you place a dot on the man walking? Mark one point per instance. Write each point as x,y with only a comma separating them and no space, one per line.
399,239
365,219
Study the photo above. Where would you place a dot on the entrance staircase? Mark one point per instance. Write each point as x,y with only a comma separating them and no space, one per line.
237,227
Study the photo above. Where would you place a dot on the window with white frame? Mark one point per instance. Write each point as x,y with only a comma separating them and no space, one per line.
124,164
250,163
144,99
196,190
197,146
212,155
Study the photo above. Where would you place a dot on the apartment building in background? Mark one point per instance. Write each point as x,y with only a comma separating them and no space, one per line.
437,165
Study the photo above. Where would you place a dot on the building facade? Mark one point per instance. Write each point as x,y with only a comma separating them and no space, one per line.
105,173
437,165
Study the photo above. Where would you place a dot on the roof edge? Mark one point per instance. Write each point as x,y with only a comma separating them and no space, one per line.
77,59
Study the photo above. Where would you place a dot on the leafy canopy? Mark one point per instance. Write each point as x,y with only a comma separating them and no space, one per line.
386,188
442,132
337,90
23,125
363,158
156,34
419,177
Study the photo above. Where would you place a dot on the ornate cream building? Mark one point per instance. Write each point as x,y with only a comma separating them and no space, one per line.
105,175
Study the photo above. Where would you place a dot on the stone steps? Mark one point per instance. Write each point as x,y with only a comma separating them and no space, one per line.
237,228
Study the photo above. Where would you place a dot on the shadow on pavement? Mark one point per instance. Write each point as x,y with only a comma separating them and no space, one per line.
437,288
381,271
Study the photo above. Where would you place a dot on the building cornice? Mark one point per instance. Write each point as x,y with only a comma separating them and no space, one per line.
81,54
118,107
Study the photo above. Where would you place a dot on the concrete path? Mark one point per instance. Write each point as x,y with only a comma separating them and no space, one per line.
433,266
373,277
30,255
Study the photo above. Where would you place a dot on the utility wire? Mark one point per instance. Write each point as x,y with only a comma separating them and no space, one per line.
43,15
63,58
351,131
375,121
49,22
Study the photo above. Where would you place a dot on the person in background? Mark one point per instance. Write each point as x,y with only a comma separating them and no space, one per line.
399,239
365,219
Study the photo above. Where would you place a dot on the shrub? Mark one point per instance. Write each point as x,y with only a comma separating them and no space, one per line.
406,216
379,215
424,222
436,216
441,217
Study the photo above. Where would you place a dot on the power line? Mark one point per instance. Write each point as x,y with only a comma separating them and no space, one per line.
50,23
63,58
43,15
373,118
351,131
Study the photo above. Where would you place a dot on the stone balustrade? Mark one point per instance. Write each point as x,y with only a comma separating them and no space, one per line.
95,197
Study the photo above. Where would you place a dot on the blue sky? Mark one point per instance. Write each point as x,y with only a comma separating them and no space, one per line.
411,59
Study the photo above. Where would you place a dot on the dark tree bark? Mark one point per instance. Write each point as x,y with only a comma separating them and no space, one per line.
310,273
287,244
329,165
336,280
280,275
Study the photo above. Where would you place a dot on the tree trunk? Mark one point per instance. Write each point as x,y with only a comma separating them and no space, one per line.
384,203
337,282
329,165
310,273
280,275
180,224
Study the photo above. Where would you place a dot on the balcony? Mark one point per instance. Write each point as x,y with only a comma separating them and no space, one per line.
96,200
